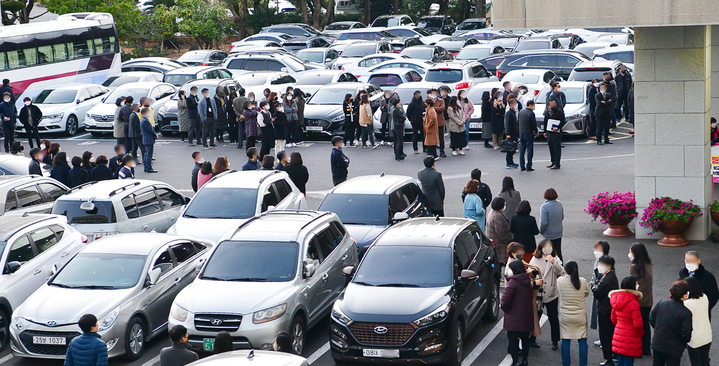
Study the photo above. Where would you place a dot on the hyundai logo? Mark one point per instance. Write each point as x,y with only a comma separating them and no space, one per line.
216,321
52,323
104,118
380,330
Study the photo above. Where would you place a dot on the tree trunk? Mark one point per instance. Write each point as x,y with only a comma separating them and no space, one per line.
366,12
316,13
241,18
443,6
25,14
480,9
303,6
330,14
395,7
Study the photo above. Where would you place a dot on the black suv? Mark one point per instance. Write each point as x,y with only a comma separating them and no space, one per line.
437,277
437,24
562,62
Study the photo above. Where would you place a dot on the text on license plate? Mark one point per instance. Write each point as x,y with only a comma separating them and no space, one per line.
208,344
174,123
314,128
49,340
381,353
104,124
475,125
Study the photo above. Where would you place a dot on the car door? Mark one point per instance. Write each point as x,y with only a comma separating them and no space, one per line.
151,215
314,285
187,256
334,252
397,203
26,278
83,103
49,253
171,203
465,251
416,208
29,200
157,299
565,65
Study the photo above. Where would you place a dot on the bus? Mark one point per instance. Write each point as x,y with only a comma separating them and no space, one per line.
73,48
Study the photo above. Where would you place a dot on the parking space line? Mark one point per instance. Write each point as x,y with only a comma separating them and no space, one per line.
79,136
488,339
6,359
317,354
152,361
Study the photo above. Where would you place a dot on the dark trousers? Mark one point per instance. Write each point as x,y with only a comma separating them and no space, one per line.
384,131
268,141
121,141
349,131
647,338
251,141
432,150
367,132
137,144
557,244
195,130
592,124
663,359
128,140
440,129
417,135
32,133
623,103
513,347
9,131
147,156
526,145
603,128
292,132
241,133
208,130
699,356
510,157
554,141
337,181
232,132
623,360
399,142
613,117
435,213
553,315
220,135
606,331
358,129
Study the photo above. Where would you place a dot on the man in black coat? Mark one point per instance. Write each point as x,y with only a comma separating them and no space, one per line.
35,167
601,291
624,84
554,136
591,93
415,114
612,90
180,353
116,161
30,116
193,114
693,267
511,130
8,116
484,192
197,157
432,187
339,162
527,132
603,112
125,113
672,323
7,88
555,95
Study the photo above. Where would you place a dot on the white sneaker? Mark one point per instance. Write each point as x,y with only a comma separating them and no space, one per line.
454,152
381,143
345,145
466,148
461,152
391,144
354,144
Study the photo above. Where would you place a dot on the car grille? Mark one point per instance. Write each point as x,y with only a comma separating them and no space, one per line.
397,333
217,322
102,118
46,349
316,122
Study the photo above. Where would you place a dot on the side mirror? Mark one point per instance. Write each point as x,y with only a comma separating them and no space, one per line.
270,208
400,216
155,274
187,200
283,69
53,270
328,60
13,266
309,270
198,267
349,271
307,95
468,274
78,101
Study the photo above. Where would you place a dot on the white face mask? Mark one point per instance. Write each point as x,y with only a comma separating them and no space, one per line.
691,267
42,147
27,103
68,160
444,94
434,95
92,159
598,255
714,125
387,94
596,85
7,100
630,256
510,273
251,99
601,268
200,161
289,98
547,251
603,91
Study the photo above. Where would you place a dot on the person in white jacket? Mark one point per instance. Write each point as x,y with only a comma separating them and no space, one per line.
698,304
550,266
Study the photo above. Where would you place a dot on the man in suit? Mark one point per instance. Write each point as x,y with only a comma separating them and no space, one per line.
511,130
624,84
554,136
193,115
527,131
612,90
238,105
603,112
208,112
591,94
8,116
148,139
432,186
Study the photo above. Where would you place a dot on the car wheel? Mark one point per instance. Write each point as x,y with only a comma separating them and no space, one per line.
134,339
297,331
492,312
457,345
71,125
4,329
586,127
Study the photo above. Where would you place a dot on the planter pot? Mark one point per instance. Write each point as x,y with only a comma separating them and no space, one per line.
619,227
715,218
673,233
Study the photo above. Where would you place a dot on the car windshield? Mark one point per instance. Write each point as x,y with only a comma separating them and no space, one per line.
192,56
114,82
294,63
588,74
331,96
359,50
472,53
222,203
472,25
101,213
56,96
573,95
358,209
339,26
405,266
101,271
136,94
310,56
504,42
179,79
533,45
519,77
430,22
315,79
252,262
386,22
251,79
444,75
422,53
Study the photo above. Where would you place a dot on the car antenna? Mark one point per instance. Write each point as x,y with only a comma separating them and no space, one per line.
251,354
436,218
381,174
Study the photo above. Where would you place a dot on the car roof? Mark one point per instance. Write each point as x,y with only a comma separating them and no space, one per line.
10,224
165,66
206,82
198,52
134,243
552,51
372,184
539,72
422,86
392,70
191,70
240,357
598,63
322,72
284,225
141,84
106,189
135,73
345,85
242,179
73,86
603,51
426,231
6,179
481,45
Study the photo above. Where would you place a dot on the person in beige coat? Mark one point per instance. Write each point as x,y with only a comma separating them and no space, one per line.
458,138
550,265
573,290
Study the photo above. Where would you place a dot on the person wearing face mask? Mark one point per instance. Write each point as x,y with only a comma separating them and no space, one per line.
714,132
527,122
88,162
693,267
415,114
238,105
473,207
641,267
249,115
266,95
7,88
282,126
523,227
128,165
573,290
149,136
517,305
398,119
8,115
555,94
601,248
701,342
384,106
444,94
267,126
30,116
498,229
44,147
134,133
290,108
550,266
628,323
299,98
221,115
672,323
183,122
208,109
554,115
603,112
468,109
431,132
612,90
624,84
198,160
439,107
511,130
601,290
551,215
455,125
498,110
591,97
193,114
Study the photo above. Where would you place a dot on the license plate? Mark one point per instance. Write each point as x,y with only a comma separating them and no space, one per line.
104,124
314,128
49,340
381,353
174,123
208,344
475,125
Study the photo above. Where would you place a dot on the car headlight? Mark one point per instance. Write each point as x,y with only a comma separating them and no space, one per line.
108,320
178,312
264,316
338,118
16,321
53,116
433,317
88,116
339,316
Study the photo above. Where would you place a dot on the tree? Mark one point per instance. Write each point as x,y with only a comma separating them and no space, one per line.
205,22
317,11
125,12
238,9
19,11
367,18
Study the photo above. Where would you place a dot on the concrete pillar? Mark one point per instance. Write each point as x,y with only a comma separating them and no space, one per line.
715,70
672,96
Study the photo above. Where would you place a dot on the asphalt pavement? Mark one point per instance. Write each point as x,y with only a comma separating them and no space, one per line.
587,169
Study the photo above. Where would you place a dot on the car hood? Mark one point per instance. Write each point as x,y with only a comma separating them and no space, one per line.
208,229
48,109
169,107
320,111
364,234
62,305
102,109
341,61
569,110
316,66
396,304
203,296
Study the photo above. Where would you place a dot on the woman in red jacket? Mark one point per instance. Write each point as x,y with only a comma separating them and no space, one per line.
629,328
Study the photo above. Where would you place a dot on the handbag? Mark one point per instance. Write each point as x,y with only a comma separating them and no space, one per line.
507,145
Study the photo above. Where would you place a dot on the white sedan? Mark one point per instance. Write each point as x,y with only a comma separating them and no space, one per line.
258,81
112,82
360,66
390,78
534,79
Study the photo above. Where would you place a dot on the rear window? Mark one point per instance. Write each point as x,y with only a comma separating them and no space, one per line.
179,79
444,75
534,45
314,79
588,74
385,80
359,51
103,213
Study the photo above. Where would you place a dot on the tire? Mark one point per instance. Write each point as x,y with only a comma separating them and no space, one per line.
4,329
71,126
456,345
492,312
587,124
298,332
135,339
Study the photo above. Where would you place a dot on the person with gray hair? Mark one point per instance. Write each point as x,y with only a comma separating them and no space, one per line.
693,267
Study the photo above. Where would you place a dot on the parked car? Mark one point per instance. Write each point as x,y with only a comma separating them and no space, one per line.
249,46
33,248
366,34
369,204
409,31
113,82
534,79
459,74
181,76
623,54
576,109
430,282
470,24
310,81
21,194
167,114
622,39
429,53
203,57
293,29
357,50
485,34
421,66
336,28
275,61
475,95
257,82
384,21
538,43
406,93
128,280
99,209
399,44
388,79
230,199
478,51
562,62
100,118
434,24
491,62
149,66
299,43
18,165
323,111
157,60
265,36
455,44
360,65
252,357
589,70
324,55
280,271
508,43
590,48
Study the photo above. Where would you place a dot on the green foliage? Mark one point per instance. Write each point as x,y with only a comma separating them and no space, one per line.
415,8
13,6
714,206
126,14
355,17
203,21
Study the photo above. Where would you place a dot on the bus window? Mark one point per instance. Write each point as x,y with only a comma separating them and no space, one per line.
104,39
50,47
79,43
20,51
3,62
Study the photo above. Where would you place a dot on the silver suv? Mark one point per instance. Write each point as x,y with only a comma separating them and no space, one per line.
32,247
280,271
243,63
28,193
459,74
119,206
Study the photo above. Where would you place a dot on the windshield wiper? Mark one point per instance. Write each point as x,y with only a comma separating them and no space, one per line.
363,283
213,278
397,285
95,287
190,216
59,285
248,279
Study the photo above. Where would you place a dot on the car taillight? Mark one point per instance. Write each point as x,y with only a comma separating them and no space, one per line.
464,85
536,92
397,51
232,46
454,54
83,237
358,76
343,68
494,245
499,73
203,65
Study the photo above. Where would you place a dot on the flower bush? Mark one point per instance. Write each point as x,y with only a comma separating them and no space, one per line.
667,208
606,206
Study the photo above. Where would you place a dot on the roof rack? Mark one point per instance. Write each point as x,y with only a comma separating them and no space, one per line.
226,172
269,175
121,189
81,186
320,214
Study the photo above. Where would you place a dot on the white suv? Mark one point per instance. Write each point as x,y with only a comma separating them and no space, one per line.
232,198
459,75
33,248
118,206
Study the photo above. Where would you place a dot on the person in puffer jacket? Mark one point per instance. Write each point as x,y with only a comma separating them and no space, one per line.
87,349
627,319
